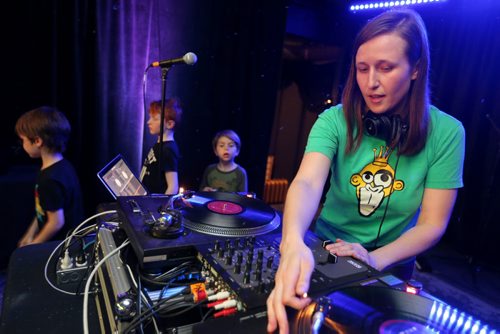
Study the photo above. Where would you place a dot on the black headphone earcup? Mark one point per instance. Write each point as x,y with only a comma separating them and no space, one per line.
389,128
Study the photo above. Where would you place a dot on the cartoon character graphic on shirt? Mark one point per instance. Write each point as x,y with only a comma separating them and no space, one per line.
375,182
40,213
151,158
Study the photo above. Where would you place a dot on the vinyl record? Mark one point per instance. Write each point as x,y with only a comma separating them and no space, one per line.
382,310
228,214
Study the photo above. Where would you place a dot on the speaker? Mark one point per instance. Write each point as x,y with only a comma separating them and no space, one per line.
387,127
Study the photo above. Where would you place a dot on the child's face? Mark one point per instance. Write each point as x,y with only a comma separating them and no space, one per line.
154,124
31,147
226,149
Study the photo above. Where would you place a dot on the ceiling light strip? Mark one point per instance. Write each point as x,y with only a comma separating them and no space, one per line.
389,4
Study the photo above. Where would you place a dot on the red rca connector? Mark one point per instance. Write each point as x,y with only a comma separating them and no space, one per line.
200,295
225,313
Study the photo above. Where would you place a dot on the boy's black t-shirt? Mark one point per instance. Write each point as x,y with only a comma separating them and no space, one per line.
57,187
151,177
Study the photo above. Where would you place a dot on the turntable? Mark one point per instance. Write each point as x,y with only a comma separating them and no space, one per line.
235,240
165,228
383,310
229,214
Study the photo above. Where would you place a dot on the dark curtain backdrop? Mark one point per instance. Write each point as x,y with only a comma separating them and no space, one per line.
233,84
465,77
89,59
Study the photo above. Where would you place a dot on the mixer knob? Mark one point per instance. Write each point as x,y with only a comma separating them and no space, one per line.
260,254
246,277
239,258
258,275
259,264
270,261
229,259
220,253
237,268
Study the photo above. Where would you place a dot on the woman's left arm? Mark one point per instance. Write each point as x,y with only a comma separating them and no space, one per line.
437,207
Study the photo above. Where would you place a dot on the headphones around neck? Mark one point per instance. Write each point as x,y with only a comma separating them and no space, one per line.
389,128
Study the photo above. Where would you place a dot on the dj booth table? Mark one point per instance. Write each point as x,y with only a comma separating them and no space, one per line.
349,293
31,305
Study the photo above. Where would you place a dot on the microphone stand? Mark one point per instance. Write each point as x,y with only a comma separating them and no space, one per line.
164,73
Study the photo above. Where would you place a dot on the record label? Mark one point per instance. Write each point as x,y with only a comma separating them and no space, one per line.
224,207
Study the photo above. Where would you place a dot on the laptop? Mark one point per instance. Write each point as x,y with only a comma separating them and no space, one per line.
119,179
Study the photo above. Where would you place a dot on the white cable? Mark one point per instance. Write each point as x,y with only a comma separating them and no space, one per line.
87,285
87,220
62,242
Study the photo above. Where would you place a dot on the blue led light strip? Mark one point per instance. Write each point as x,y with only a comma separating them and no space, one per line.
390,4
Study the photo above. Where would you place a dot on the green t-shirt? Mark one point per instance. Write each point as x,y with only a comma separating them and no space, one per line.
360,181
232,181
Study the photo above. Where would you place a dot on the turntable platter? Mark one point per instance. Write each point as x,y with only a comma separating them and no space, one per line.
383,310
229,214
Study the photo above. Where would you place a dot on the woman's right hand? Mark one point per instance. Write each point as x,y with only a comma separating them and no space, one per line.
291,284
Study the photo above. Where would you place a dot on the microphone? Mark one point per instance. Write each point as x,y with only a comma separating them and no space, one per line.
189,59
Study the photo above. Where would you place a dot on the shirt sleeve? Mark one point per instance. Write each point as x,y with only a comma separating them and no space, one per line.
204,182
446,165
323,137
243,187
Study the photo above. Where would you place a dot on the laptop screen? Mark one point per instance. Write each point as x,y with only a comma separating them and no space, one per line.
119,179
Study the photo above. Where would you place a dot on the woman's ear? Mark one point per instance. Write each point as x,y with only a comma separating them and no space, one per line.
414,74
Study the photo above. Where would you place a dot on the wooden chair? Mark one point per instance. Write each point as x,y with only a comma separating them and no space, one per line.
274,189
